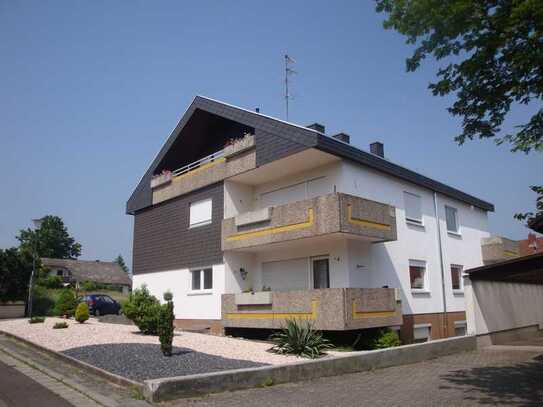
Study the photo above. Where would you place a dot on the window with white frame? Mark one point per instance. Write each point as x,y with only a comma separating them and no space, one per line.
200,213
451,217
202,279
422,333
417,275
460,328
413,208
456,277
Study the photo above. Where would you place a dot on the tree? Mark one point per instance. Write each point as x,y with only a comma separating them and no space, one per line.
15,269
494,52
53,240
120,261
165,325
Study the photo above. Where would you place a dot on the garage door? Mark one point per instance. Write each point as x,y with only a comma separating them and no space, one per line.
286,275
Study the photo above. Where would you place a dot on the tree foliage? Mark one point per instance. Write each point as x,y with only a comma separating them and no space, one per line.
143,309
120,261
82,312
15,269
53,240
494,60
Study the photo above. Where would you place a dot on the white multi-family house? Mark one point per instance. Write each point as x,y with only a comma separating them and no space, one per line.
250,220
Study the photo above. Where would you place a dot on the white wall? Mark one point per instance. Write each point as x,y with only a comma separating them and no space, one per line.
496,306
390,261
187,304
238,198
334,248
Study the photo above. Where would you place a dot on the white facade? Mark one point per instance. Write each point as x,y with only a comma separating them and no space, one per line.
355,263
351,263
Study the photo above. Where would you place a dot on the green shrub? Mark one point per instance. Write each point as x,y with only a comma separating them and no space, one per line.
82,312
89,286
60,325
143,309
42,303
165,325
387,339
299,339
36,320
51,282
66,303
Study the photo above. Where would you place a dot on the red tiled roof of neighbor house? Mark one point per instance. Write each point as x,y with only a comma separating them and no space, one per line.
531,245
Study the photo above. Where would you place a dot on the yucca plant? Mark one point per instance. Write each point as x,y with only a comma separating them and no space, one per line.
300,339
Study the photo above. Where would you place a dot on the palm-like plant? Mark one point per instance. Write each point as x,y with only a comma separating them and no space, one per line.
300,339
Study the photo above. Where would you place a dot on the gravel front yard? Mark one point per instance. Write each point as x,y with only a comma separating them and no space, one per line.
140,361
121,349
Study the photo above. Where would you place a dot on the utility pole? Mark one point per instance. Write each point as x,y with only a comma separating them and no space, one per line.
288,71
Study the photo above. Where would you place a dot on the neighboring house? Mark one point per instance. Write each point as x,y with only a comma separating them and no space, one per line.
237,201
80,271
532,245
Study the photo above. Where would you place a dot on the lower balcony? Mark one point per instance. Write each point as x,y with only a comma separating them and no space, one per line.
334,309
335,213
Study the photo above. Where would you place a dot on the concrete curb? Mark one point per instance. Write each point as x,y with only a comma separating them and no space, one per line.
199,384
112,377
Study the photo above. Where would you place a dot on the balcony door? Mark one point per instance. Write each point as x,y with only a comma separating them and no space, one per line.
320,268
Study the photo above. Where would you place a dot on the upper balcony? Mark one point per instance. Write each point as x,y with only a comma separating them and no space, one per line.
335,213
236,158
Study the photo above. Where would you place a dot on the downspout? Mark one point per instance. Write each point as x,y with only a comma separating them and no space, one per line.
446,320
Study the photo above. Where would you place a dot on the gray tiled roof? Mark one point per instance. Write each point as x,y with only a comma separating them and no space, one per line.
304,137
104,272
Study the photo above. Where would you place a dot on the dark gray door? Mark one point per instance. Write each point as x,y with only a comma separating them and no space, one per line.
321,273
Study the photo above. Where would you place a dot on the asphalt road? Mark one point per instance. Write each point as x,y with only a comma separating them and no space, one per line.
18,390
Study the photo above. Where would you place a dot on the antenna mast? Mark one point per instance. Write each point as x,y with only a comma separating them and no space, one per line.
288,71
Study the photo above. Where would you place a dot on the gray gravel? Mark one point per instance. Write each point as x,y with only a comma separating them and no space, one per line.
141,361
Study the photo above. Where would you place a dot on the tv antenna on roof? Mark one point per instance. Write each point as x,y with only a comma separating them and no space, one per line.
289,61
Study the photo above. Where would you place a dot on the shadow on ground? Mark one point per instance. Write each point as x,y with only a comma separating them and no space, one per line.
517,384
141,361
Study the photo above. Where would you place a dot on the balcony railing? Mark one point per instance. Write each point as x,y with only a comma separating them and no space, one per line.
336,309
197,164
323,215
234,159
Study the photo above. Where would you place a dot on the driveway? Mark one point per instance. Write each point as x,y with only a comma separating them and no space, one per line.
498,375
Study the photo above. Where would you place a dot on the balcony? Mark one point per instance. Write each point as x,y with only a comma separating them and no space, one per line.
234,159
335,213
336,309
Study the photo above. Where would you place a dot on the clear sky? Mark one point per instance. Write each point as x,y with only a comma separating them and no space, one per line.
90,90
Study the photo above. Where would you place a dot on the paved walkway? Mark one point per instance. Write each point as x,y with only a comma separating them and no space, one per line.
32,378
19,390
502,375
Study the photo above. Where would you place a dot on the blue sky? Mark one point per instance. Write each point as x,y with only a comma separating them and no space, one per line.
89,91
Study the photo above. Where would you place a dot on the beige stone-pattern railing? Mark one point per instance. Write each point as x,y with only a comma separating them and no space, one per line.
326,214
326,309
234,160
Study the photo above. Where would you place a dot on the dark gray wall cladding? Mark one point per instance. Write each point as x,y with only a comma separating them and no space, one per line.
163,240
270,147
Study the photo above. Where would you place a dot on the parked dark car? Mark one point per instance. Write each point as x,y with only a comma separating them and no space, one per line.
100,304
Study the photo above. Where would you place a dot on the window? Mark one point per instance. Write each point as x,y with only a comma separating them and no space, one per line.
202,279
460,328
422,333
417,274
413,208
451,217
456,277
200,213
321,273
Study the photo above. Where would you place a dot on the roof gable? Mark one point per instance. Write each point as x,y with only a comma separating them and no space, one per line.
289,134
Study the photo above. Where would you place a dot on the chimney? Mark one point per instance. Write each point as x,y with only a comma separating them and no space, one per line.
377,148
343,137
317,126
257,110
